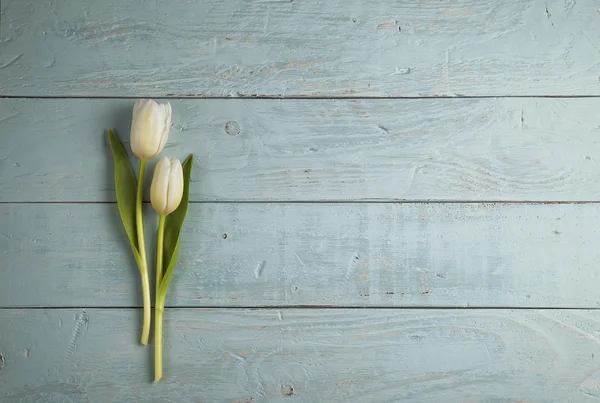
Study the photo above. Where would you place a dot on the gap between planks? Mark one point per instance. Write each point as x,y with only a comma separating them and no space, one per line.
278,98
366,201
310,307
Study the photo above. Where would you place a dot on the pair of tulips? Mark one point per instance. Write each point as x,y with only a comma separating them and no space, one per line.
169,192
149,134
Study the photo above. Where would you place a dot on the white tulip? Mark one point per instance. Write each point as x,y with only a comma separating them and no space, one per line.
166,189
149,128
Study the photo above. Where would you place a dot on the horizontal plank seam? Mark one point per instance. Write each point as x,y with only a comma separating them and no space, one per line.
309,307
271,97
359,201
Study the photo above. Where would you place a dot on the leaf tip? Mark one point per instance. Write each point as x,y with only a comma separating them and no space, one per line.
189,159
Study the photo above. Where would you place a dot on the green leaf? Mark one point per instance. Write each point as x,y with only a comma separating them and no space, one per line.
173,225
125,185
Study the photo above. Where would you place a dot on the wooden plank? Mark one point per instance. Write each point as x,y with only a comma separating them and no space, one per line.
290,150
424,356
399,255
299,48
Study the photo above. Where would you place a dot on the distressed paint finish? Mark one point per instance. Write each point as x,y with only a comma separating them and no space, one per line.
393,255
317,150
420,356
62,245
299,48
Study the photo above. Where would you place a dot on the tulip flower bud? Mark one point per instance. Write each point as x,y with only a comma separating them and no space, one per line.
166,189
149,128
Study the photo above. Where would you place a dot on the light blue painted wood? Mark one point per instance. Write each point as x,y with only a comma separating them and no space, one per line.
289,254
299,48
358,356
427,255
317,150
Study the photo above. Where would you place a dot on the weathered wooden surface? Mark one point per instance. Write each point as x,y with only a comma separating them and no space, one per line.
66,265
299,48
458,149
499,255
424,356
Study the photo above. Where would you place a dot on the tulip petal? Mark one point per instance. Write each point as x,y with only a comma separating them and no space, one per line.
160,185
175,189
138,106
141,129
173,226
136,130
156,122
164,135
149,128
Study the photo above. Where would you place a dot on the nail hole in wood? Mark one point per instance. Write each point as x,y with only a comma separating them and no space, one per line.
287,390
232,128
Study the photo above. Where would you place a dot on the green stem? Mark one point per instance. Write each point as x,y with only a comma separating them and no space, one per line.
160,300
147,306
159,250
158,333
139,221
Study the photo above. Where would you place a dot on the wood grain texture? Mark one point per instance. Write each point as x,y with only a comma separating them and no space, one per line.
316,150
425,255
303,355
299,48
62,245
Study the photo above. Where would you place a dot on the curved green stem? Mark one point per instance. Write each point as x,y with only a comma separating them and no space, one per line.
160,300
158,333
139,218
139,221
147,306
159,251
